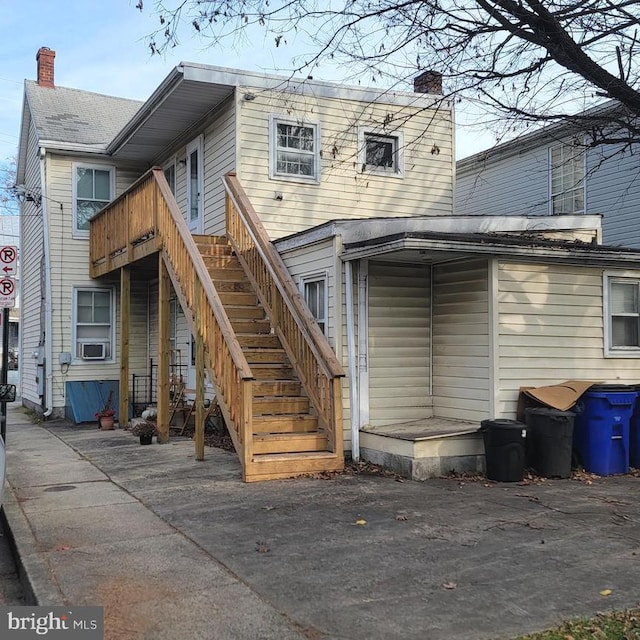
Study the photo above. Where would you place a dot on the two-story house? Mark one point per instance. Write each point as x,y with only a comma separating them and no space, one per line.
296,242
558,170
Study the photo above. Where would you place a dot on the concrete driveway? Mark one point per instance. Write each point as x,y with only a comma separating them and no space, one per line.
354,556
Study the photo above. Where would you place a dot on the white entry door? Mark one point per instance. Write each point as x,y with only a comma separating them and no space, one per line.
194,185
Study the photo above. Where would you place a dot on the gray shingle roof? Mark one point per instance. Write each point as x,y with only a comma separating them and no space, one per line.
78,117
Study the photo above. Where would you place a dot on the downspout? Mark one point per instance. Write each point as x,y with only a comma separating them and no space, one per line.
353,369
48,314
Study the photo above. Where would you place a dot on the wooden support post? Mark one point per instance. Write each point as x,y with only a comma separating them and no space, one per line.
125,316
199,429
163,351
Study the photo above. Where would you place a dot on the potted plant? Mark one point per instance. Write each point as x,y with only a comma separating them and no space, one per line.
106,415
144,429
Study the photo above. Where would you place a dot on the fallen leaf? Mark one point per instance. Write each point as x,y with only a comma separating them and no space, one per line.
268,508
262,547
63,548
402,517
606,592
361,521
449,585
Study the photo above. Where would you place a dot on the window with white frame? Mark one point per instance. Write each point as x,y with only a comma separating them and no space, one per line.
567,177
93,323
295,150
93,187
381,153
314,290
622,315
170,175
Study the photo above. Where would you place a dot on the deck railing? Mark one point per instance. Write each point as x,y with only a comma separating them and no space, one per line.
305,344
148,212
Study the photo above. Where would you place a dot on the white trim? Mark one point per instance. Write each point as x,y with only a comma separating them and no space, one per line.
74,326
274,120
195,226
173,162
493,277
397,171
79,233
318,276
363,341
609,350
354,400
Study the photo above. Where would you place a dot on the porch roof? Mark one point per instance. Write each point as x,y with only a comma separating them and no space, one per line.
433,246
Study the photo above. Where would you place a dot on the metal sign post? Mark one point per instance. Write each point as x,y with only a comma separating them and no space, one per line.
8,267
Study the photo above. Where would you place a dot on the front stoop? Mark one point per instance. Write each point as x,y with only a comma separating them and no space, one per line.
425,449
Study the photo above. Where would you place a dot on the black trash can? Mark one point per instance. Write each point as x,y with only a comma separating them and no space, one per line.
504,448
549,441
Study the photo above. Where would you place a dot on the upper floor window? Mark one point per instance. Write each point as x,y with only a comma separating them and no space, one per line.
314,289
170,175
567,178
622,315
381,153
93,187
295,150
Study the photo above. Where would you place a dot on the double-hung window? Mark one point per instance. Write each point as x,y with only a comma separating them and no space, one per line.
295,150
314,290
622,315
93,323
93,187
567,162
381,153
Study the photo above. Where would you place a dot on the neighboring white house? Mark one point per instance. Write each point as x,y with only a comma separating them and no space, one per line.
374,307
556,170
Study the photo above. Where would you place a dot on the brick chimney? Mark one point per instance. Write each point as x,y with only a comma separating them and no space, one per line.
45,59
428,82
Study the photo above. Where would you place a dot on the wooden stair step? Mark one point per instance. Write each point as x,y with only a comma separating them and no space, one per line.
221,262
244,325
273,405
267,356
244,312
227,273
271,466
284,424
241,298
272,371
233,285
276,388
259,340
289,443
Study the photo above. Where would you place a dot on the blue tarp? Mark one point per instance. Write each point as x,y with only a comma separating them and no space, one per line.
86,397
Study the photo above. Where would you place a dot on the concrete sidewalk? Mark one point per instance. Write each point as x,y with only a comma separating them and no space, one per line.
174,548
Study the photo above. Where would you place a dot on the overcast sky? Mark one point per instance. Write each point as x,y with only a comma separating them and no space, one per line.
100,46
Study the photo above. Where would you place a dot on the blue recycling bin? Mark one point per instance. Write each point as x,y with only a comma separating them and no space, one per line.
601,428
634,434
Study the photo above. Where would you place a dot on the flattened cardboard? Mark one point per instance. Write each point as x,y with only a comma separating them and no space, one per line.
557,396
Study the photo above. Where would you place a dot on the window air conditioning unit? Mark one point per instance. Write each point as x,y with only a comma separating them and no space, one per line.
93,351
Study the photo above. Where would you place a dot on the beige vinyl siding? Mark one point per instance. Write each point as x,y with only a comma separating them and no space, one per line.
139,328
69,268
461,340
219,158
344,190
31,280
550,329
399,304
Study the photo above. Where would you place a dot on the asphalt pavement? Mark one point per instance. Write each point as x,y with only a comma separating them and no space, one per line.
175,548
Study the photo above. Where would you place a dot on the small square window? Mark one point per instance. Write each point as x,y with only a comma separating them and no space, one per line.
381,154
93,327
295,150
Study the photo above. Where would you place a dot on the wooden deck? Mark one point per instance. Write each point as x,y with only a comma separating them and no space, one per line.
424,429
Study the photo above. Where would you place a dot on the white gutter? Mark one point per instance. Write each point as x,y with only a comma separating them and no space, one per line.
48,314
353,369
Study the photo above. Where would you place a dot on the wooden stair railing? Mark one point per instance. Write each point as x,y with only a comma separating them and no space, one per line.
307,347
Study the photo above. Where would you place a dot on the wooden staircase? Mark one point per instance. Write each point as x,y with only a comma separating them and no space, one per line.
277,380
287,437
